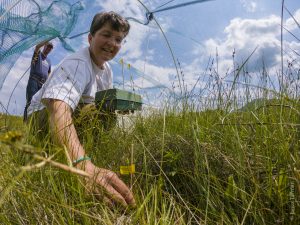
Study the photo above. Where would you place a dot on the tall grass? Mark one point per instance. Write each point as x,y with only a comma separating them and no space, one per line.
227,157
211,166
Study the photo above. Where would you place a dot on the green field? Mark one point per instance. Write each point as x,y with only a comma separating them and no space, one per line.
207,167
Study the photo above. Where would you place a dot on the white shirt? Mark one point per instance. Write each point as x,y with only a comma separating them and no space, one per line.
76,79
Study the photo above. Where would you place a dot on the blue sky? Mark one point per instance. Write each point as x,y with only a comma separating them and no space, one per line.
196,34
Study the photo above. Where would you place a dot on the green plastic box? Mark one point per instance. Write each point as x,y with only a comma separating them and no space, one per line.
116,99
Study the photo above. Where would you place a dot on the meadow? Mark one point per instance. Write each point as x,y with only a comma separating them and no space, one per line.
217,165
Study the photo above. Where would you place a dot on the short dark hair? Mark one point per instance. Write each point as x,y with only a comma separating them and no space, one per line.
116,21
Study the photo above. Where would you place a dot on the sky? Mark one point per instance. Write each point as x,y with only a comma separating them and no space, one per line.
179,42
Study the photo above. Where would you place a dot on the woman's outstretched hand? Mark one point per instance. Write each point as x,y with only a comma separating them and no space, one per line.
107,184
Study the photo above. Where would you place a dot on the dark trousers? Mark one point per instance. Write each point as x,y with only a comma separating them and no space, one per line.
33,86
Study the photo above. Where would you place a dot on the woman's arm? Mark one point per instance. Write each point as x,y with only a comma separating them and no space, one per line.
61,124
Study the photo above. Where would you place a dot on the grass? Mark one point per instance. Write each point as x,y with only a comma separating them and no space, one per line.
210,167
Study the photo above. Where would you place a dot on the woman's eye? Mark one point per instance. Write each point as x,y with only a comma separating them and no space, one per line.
106,35
119,40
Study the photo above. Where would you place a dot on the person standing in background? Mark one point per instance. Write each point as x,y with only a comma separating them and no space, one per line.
39,71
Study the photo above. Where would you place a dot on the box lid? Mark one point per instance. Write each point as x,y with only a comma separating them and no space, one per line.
117,94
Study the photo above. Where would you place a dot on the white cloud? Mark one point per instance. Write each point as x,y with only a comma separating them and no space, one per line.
162,75
242,37
250,6
136,37
290,23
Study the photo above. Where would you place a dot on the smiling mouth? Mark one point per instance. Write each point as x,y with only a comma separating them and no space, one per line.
107,50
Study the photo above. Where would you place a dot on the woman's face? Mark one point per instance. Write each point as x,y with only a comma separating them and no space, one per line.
105,44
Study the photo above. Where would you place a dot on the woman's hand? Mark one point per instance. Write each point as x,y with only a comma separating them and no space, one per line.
107,184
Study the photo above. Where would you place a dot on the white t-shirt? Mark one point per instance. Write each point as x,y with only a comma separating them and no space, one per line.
76,79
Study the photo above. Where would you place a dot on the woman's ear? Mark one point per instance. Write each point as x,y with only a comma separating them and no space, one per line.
90,38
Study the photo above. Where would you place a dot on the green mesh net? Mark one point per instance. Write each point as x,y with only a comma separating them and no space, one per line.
25,23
